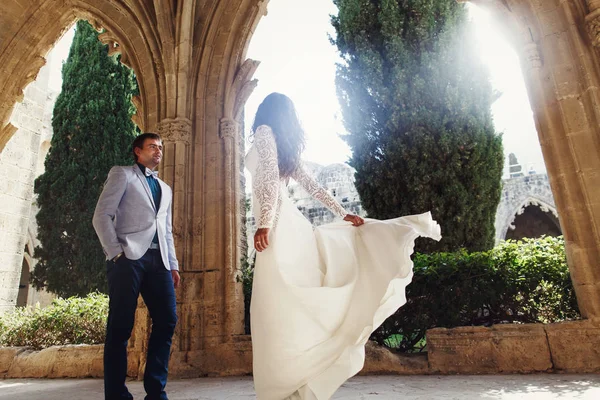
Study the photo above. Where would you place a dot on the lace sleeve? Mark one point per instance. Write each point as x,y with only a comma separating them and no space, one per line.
315,190
266,183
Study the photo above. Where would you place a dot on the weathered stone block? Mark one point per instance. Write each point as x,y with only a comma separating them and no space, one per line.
221,359
565,76
190,327
32,364
500,349
192,287
575,346
461,350
134,363
557,50
7,355
586,145
574,114
77,361
521,348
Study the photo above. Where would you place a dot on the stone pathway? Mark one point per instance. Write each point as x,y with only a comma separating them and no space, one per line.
538,387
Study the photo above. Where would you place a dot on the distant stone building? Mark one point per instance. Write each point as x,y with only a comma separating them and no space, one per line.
338,179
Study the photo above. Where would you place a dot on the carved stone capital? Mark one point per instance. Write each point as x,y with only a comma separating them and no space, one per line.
175,130
592,22
229,128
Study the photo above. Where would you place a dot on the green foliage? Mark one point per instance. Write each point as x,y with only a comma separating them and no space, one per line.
245,276
65,321
93,131
416,102
517,282
524,281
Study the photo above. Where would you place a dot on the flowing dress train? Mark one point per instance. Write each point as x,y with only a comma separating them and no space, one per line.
319,293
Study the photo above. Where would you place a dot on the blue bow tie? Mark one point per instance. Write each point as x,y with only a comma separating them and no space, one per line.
149,172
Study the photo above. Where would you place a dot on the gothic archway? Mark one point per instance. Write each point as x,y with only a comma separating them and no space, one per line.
534,220
189,57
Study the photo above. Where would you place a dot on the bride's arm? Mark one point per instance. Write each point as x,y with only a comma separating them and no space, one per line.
315,190
265,184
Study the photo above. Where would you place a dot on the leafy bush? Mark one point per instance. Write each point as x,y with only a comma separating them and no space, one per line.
74,320
524,281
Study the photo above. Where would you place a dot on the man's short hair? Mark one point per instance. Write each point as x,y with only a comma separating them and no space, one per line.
139,142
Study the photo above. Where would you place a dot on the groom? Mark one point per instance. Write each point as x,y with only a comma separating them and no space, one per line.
133,222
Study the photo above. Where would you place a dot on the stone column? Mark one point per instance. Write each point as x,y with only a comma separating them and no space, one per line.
233,298
176,134
562,75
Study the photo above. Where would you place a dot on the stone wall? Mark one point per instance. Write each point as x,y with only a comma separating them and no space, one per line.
511,348
514,348
21,161
337,179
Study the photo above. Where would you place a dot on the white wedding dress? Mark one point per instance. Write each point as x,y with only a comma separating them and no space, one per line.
319,293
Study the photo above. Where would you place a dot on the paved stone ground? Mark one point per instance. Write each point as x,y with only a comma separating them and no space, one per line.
538,387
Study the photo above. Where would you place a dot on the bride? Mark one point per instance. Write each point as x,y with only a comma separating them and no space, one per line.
319,293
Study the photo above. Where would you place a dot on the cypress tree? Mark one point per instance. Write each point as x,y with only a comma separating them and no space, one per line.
416,102
93,131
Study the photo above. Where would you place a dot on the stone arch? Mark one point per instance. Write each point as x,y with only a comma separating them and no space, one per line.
518,193
534,222
530,201
23,293
26,268
190,59
558,43
129,30
221,85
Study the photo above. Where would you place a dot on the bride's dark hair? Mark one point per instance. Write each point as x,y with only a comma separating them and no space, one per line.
278,112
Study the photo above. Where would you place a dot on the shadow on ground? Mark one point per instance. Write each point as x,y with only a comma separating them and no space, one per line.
538,387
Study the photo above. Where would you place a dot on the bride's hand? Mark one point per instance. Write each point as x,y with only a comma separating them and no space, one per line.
355,219
261,239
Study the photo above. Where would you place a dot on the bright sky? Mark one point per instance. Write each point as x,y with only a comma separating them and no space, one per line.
57,56
297,59
512,112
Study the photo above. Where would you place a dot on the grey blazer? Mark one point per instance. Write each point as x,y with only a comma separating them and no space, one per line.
126,219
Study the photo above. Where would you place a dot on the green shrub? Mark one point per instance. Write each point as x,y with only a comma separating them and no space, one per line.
74,320
517,282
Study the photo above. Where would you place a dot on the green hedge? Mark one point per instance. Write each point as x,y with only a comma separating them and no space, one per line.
66,321
516,282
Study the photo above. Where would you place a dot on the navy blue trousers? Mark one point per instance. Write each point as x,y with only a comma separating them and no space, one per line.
127,279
